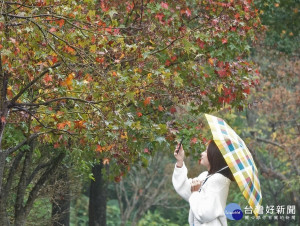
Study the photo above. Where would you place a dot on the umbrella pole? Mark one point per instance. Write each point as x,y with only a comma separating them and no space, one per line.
179,145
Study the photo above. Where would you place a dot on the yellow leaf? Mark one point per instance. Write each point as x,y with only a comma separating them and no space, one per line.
93,48
124,135
68,81
220,87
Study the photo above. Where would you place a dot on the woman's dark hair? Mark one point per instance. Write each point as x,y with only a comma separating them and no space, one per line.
217,161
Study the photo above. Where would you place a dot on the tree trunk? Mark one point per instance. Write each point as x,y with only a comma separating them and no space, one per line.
98,196
20,214
62,200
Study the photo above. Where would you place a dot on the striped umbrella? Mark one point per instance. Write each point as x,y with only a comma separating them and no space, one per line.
239,160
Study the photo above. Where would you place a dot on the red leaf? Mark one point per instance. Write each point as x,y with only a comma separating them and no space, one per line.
164,5
194,140
246,90
56,145
117,179
52,29
222,73
103,6
139,114
237,16
173,58
224,40
47,78
54,59
100,59
200,43
129,6
173,110
168,63
159,16
188,12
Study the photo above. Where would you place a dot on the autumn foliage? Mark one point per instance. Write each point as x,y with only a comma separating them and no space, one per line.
106,76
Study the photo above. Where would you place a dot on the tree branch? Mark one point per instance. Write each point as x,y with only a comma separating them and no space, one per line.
59,99
34,192
24,142
270,172
15,98
271,142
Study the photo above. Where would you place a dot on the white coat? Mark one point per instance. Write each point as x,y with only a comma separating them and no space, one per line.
207,206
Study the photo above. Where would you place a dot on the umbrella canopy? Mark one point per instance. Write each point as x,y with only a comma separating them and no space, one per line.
239,160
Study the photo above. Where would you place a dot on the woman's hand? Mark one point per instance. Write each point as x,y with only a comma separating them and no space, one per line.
195,185
179,156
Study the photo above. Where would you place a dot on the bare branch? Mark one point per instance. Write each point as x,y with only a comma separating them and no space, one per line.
271,142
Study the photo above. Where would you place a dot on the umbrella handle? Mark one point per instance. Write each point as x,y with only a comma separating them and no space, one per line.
177,150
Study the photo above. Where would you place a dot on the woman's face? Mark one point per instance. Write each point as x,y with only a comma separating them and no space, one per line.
204,160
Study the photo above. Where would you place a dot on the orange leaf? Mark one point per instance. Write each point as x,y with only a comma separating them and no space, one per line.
160,108
105,161
211,61
61,125
99,148
124,135
3,120
139,114
68,81
79,124
147,101
61,22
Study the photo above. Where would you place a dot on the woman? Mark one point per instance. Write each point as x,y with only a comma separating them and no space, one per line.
208,192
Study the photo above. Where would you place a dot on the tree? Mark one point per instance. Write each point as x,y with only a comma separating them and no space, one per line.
96,73
142,189
281,19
